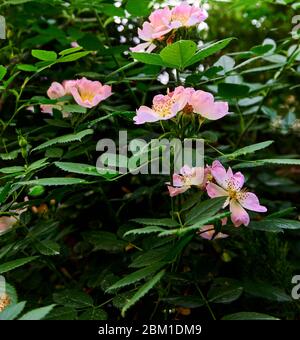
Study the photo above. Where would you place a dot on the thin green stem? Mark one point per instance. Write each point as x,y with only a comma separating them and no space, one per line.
218,151
206,302
242,120
179,220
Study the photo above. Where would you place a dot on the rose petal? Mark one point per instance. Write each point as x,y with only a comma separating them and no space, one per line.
214,190
251,202
144,115
220,174
177,191
239,215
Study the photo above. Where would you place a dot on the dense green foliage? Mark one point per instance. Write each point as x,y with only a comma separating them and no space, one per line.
86,245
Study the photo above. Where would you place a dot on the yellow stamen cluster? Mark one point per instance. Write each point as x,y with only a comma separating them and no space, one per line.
86,95
234,192
164,109
183,19
4,301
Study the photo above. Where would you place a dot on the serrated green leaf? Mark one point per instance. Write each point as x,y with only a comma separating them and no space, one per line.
74,137
84,169
266,291
146,230
104,240
205,209
16,2
62,313
136,276
138,8
201,222
275,224
11,312
249,316
41,100
37,314
207,51
262,162
44,55
93,314
143,290
8,266
121,299
281,213
74,108
264,226
37,165
177,54
9,155
3,71
12,293
72,57
261,49
70,50
73,298
47,247
27,68
185,301
54,181
12,169
54,152
164,222
224,294
111,10
151,256
231,90
148,58
36,191
247,149
4,192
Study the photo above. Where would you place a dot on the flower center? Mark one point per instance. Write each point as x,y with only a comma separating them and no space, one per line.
163,108
181,18
85,95
210,177
232,194
4,301
188,180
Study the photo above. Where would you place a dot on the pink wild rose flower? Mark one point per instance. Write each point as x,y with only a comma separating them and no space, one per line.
182,99
230,185
74,44
56,90
186,15
87,93
163,21
160,20
158,26
203,103
164,107
187,178
6,222
146,34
